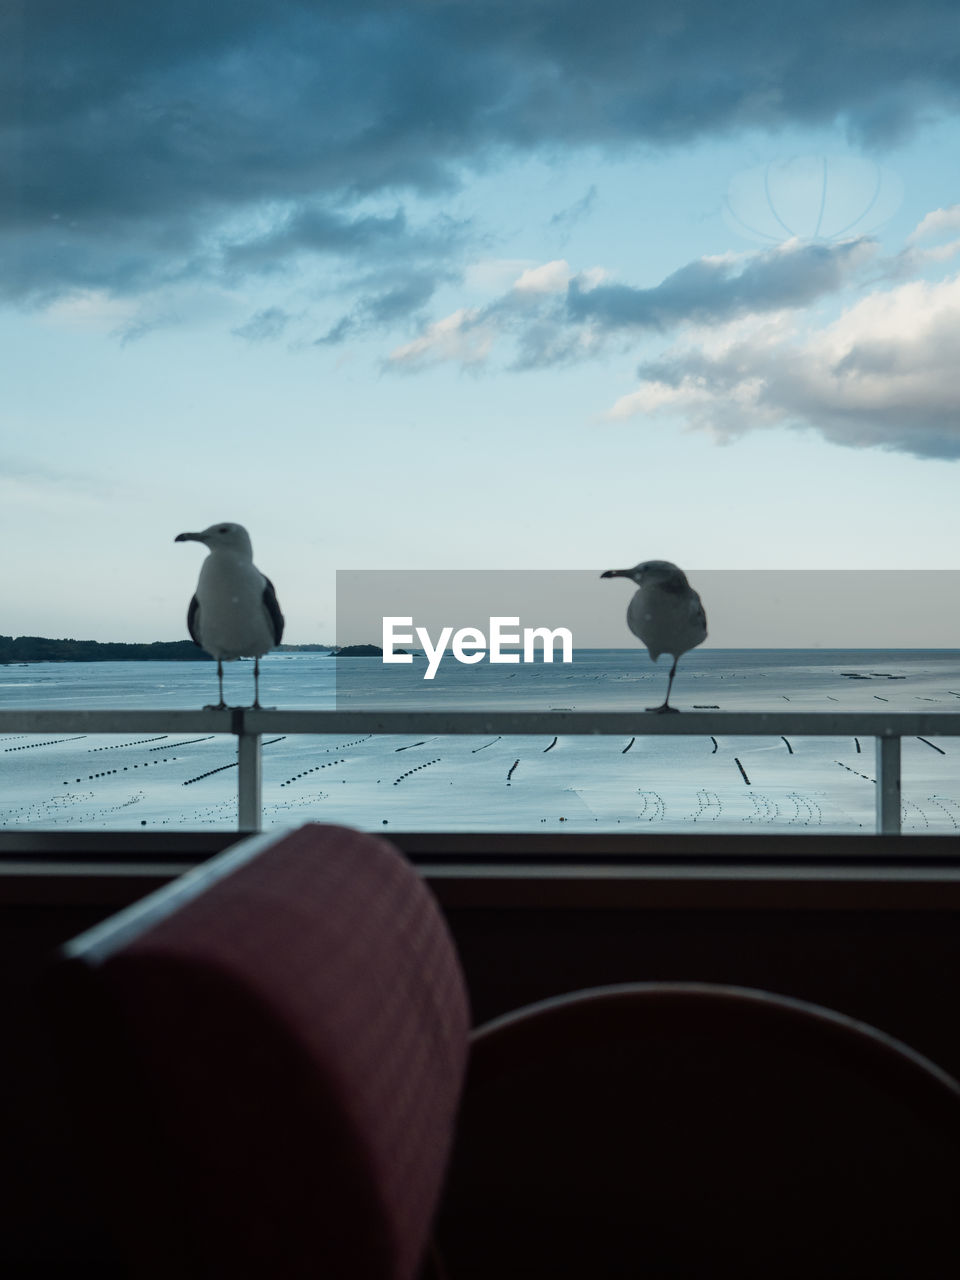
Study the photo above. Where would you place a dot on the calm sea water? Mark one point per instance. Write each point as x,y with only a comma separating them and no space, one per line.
529,783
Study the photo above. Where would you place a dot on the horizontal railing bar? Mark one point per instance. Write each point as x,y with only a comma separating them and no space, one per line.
875,724
63,720
825,724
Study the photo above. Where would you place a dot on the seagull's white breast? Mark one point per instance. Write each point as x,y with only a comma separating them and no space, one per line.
232,619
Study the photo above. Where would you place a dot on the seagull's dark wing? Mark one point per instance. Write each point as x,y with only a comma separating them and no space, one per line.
193,621
273,609
697,614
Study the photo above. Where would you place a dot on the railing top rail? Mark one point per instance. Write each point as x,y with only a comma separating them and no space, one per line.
878,724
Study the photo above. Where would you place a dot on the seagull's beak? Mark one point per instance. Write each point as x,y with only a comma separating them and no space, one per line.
616,573
189,537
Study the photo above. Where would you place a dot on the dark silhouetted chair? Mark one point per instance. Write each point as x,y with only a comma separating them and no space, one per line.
272,1049
661,1130
269,1054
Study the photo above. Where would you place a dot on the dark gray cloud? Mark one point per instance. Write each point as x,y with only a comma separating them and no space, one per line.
317,231
134,136
392,297
718,289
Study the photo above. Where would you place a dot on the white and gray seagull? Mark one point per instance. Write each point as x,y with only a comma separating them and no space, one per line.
234,612
665,613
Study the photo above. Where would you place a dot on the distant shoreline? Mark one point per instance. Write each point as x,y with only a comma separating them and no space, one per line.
25,649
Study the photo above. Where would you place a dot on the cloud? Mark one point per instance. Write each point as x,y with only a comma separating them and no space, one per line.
937,223
265,326
912,262
720,288
140,326
26,480
384,300
556,316
531,310
90,309
317,230
565,220
883,374
551,277
45,263
143,144
465,337
494,275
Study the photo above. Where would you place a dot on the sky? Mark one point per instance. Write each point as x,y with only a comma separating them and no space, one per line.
447,286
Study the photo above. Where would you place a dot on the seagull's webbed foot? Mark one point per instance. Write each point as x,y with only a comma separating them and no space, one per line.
216,706
662,709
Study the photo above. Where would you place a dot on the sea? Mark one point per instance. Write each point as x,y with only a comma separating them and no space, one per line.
539,782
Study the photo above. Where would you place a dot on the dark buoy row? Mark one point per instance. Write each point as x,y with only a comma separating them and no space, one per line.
416,769
209,773
328,764
125,769
138,742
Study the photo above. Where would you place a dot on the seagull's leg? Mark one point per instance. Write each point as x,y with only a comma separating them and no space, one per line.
221,704
664,706
256,682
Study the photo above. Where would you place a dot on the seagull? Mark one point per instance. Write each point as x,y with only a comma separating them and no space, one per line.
234,613
666,613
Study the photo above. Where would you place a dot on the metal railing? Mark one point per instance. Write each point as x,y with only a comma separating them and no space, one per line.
248,726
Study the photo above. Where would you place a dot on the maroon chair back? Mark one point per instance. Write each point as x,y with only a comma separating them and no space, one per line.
685,1130
270,1052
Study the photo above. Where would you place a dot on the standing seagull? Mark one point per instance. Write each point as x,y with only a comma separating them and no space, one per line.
234,613
666,613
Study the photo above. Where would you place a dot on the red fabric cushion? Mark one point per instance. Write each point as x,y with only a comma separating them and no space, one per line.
289,1049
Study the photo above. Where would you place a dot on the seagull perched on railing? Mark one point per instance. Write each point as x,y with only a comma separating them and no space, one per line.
234,613
665,613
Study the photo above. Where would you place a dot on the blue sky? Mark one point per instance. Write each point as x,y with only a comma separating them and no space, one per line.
486,286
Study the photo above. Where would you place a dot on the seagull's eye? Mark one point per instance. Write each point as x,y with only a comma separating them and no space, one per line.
224,528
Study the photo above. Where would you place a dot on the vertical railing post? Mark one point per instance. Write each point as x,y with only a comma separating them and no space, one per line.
888,786
249,780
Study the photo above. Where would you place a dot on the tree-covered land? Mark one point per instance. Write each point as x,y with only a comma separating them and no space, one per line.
42,649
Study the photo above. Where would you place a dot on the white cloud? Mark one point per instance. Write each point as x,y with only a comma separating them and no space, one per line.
884,373
651,397
463,336
937,223
551,277
913,261
494,275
